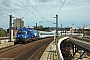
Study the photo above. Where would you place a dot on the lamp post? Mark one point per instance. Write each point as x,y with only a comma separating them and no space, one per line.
56,35
36,26
57,27
83,30
20,23
11,27
61,30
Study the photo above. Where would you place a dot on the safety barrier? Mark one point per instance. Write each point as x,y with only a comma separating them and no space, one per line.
60,57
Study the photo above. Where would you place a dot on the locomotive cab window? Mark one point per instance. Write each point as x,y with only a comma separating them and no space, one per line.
21,32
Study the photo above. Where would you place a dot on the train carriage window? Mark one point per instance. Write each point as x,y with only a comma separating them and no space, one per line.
40,33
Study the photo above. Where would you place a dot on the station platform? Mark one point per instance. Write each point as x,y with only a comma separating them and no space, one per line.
49,53
3,45
6,43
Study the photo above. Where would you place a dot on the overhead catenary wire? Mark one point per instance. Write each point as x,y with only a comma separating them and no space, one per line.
3,14
34,8
6,13
4,9
28,9
39,13
61,7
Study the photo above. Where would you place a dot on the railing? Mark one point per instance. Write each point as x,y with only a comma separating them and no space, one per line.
54,53
83,39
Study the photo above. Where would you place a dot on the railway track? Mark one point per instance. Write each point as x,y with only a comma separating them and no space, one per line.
39,51
30,51
6,49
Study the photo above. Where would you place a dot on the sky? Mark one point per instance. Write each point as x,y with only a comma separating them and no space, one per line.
74,13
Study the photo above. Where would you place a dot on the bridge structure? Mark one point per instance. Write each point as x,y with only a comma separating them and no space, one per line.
78,44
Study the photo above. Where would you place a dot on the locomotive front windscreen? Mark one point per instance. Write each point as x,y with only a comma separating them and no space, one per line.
21,32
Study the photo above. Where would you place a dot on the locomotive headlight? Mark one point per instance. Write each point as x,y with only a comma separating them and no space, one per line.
25,37
32,36
35,34
18,36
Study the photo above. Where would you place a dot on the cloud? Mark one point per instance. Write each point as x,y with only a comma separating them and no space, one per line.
72,10
43,1
6,3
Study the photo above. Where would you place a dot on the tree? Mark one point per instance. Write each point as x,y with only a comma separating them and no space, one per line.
41,28
3,33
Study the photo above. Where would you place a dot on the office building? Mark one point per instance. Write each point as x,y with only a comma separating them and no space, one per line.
18,23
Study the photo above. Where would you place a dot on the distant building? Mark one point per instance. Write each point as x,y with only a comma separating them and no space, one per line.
18,23
85,31
54,28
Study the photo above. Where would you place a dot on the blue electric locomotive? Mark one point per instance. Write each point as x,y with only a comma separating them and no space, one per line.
26,35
